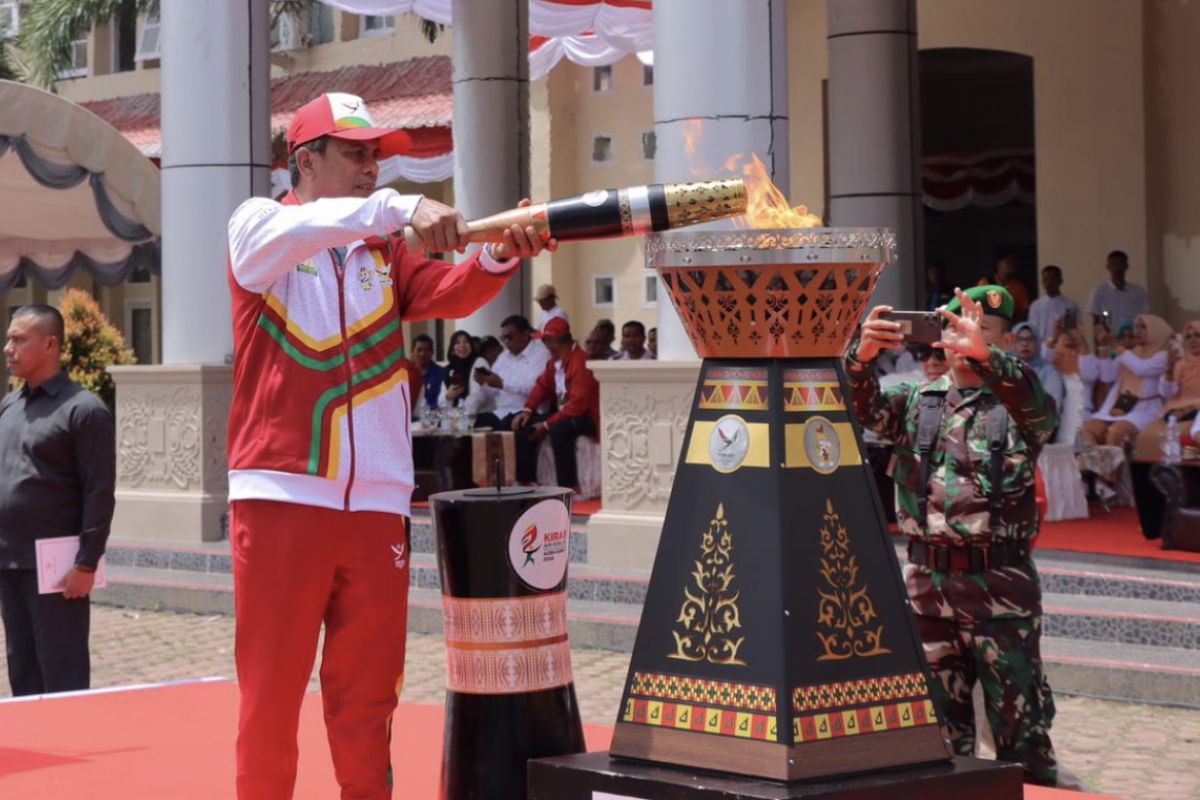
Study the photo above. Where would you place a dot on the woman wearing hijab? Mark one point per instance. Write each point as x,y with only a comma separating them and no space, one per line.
1029,350
1134,401
1181,386
461,391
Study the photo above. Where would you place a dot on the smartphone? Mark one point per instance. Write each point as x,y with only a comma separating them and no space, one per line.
483,370
1106,320
1070,320
918,327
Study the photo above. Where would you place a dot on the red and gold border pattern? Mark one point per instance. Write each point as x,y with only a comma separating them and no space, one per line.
701,719
866,690
853,722
660,686
506,645
735,389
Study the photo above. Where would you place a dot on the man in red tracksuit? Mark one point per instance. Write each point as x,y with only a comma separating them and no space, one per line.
320,452
571,388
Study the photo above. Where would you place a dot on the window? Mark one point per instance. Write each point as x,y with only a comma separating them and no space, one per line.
148,46
321,29
649,145
647,74
139,327
650,289
79,60
604,291
124,40
602,79
10,20
378,25
601,149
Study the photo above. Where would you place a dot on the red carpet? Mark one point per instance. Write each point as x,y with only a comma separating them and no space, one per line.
177,742
1117,533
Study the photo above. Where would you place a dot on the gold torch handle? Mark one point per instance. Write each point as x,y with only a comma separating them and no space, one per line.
491,229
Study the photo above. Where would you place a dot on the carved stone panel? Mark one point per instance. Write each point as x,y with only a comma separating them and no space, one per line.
643,425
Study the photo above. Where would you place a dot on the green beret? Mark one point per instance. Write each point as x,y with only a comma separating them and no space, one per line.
995,301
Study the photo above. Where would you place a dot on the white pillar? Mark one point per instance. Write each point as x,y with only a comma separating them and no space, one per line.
216,153
874,131
491,128
723,65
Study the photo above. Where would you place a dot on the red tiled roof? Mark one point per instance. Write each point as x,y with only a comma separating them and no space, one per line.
406,94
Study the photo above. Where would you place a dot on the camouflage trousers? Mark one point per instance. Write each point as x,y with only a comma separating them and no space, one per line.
1003,654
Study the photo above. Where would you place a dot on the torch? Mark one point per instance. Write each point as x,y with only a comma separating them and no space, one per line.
610,213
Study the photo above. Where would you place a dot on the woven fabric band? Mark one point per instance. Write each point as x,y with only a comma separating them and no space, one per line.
507,645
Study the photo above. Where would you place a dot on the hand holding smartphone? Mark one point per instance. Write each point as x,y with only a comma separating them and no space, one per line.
917,327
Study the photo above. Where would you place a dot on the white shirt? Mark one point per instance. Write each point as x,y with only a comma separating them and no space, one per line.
1122,304
624,356
546,316
1045,311
519,373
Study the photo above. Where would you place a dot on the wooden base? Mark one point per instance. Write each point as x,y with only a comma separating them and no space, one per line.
779,762
594,775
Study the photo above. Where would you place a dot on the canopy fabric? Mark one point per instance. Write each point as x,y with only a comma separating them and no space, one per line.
987,179
76,193
588,32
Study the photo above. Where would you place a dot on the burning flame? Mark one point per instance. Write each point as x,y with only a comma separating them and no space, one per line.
766,207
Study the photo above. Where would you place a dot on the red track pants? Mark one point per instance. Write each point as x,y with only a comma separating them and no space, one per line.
294,568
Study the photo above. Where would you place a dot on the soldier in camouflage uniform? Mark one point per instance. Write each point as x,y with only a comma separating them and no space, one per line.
973,587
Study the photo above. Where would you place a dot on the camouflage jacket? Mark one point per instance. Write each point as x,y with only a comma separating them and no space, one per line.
959,485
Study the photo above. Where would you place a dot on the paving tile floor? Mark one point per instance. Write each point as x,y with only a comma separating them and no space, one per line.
1121,749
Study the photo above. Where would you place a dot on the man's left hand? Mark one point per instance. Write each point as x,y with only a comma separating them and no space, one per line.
963,333
78,583
521,242
539,431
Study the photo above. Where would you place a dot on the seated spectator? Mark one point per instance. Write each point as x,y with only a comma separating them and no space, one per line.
490,348
633,343
1052,307
1029,349
594,346
572,391
609,333
1079,370
1181,386
431,373
510,380
546,297
652,342
461,363
1134,401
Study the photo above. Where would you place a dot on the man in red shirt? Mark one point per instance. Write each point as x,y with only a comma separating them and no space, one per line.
572,390
320,452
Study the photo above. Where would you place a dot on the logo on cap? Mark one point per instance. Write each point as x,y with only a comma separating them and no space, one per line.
994,299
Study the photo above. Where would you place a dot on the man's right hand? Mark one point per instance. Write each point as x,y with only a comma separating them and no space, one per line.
440,227
878,334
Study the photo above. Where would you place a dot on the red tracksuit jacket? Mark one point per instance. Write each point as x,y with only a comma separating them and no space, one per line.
321,403
583,391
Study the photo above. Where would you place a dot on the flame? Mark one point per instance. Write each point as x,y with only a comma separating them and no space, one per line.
766,207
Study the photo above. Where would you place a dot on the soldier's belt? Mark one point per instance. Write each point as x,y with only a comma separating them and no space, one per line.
967,559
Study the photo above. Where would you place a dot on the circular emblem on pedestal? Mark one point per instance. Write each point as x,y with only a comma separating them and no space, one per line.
539,545
729,443
821,445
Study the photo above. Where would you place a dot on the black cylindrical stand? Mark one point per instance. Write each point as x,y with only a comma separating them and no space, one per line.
502,557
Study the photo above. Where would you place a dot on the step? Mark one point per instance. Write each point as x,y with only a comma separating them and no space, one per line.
1126,672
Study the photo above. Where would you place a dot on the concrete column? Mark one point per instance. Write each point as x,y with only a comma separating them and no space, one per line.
171,419
875,134
721,67
216,119
491,128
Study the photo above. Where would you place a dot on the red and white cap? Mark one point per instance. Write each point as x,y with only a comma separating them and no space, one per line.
343,116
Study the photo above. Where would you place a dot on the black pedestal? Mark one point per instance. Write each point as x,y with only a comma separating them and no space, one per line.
596,776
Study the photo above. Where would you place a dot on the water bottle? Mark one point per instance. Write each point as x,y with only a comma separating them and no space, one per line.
1171,449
